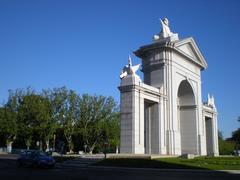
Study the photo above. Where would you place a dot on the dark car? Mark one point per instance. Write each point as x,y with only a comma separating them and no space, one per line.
34,158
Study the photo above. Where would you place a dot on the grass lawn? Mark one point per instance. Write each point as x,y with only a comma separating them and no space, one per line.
210,163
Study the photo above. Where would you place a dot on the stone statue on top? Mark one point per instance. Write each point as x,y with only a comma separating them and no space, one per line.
165,34
211,101
129,69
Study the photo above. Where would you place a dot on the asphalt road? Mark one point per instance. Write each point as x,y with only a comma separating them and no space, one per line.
9,170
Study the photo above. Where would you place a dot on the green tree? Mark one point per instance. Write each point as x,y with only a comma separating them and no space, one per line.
112,128
64,105
8,118
34,118
236,137
226,147
8,125
94,112
70,118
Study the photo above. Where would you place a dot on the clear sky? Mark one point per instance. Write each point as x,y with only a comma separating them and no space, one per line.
83,44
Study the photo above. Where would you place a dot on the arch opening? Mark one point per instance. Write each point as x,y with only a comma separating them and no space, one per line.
187,118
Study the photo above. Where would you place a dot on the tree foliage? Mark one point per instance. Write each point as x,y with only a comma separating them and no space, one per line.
225,147
34,118
55,116
8,128
8,118
236,136
95,114
232,144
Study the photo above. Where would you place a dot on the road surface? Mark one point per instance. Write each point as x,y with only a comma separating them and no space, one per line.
81,169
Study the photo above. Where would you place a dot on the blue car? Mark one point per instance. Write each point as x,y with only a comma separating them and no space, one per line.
34,158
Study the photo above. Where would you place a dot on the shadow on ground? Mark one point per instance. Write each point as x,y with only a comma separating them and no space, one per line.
145,163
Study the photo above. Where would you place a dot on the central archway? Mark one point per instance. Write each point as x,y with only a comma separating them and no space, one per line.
187,118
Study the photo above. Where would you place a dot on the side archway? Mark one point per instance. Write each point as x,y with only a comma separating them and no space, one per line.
187,118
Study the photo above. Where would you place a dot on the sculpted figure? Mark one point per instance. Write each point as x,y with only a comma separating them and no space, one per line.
165,32
211,102
129,69
165,28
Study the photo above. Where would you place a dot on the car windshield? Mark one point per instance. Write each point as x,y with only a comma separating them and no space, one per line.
33,153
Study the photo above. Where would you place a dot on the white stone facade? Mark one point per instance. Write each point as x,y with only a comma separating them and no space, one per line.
164,114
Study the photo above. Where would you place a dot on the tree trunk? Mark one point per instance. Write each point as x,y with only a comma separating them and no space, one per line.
9,146
28,143
69,140
47,144
54,142
91,149
40,146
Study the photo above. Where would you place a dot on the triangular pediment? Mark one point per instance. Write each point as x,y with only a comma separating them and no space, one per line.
188,48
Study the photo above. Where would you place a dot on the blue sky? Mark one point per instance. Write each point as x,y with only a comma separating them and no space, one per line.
83,44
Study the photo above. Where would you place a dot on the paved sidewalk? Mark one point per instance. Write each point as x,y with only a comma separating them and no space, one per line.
81,162
9,156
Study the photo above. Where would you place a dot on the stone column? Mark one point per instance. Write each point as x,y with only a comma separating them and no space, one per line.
132,117
157,129
148,128
162,123
215,135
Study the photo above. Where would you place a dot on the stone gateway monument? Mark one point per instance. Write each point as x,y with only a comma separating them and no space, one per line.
164,113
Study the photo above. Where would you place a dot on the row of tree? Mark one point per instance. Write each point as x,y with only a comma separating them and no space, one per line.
60,119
